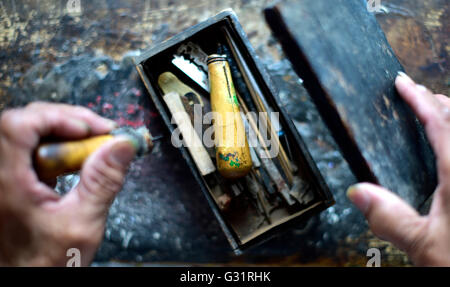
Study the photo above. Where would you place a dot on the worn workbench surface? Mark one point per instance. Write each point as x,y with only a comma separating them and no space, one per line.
84,56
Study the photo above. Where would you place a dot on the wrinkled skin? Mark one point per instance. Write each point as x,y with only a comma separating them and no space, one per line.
37,226
426,239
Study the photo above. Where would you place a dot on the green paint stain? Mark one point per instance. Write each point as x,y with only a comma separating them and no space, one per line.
222,157
234,163
235,100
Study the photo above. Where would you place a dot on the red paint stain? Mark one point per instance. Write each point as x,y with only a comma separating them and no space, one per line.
107,106
125,122
131,109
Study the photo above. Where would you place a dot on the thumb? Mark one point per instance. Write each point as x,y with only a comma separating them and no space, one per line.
389,217
103,173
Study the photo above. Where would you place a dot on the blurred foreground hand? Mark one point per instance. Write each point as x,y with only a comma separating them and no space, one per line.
37,226
426,239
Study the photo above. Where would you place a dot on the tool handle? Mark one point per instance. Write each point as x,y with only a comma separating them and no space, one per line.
232,151
53,159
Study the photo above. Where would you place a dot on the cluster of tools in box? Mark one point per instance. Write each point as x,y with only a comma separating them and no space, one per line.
254,188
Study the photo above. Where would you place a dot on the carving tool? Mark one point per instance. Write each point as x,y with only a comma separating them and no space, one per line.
194,104
190,137
301,191
260,103
233,157
264,179
264,157
191,60
169,83
195,54
256,190
57,158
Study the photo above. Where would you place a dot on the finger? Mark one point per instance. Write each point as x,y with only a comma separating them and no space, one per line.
18,175
96,123
434,116
389,217
25,127
19,136
102,175
27,188
425,105
443,99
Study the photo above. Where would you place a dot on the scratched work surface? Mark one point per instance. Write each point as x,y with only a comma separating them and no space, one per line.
83,56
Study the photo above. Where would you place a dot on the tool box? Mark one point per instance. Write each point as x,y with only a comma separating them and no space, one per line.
284,190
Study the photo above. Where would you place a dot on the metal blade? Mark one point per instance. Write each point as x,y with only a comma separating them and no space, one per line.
192,71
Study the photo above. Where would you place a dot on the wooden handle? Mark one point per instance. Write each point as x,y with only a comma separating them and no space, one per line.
232,151
53,159
190,137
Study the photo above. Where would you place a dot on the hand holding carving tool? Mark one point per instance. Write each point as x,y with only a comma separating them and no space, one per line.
57,158
232,151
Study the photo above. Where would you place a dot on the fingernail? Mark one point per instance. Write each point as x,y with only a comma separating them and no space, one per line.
405,77
111,124
82,125
123,150
359,197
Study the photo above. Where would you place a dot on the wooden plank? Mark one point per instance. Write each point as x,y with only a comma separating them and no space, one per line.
347,65
190,137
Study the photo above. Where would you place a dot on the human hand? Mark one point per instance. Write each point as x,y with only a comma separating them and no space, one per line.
37,226
426,239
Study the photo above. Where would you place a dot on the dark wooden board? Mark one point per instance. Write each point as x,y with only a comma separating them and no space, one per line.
348,67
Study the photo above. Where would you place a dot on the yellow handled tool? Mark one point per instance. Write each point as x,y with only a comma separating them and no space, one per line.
53,159
232,151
